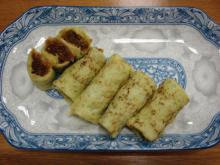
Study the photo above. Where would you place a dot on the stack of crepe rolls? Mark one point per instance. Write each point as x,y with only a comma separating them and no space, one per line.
58,52
118,96
109,93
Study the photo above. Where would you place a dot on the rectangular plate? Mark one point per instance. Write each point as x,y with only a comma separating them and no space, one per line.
165,42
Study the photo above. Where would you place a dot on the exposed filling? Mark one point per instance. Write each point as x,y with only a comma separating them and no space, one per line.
77,40
39,67
56,47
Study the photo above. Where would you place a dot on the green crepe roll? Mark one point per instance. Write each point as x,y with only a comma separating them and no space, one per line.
77,37
93,101
151,121
40,70
77,76
59,52
127,102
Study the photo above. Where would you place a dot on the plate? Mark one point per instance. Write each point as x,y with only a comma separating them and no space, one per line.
165,42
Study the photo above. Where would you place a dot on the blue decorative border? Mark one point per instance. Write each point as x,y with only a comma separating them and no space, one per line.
52,15
160,69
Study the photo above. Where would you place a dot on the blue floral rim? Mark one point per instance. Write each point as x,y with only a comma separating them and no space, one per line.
53,15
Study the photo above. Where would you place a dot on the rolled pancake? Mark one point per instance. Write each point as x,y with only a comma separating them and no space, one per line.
59,52
93,101
40,70
77,76
127,102
151,121
77,37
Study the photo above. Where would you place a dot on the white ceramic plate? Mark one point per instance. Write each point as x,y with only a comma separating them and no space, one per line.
179,42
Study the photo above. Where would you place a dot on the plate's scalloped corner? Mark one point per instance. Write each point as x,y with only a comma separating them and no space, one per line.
204,12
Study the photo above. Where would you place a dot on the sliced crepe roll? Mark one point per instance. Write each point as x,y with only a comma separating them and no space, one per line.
151,121
40,70
127,102
93,101
77,76
77,37
59,52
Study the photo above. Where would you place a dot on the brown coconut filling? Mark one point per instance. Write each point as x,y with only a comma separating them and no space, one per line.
74,38
56,47
39,67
